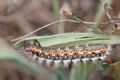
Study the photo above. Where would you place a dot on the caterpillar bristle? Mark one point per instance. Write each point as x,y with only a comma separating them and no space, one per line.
67,62
41,60
75,61
76,48
58,63
67,49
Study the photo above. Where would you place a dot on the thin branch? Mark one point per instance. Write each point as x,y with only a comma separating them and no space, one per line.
67,20
106,7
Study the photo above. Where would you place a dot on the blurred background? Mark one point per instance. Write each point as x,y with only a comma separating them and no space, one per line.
20,17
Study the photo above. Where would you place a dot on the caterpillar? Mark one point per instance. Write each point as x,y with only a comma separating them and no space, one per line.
66,57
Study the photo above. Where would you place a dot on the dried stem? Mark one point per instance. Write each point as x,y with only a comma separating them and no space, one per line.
43,28
65,20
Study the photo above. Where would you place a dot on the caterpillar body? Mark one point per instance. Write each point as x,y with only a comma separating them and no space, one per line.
66,58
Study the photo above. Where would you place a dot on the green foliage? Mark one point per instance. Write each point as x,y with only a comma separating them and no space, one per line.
84,70
61,73
71,39
56,8
21,62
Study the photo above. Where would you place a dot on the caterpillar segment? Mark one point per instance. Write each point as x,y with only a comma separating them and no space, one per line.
66,58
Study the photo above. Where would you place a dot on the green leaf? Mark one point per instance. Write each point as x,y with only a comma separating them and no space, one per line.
83,70
71,39
19,61
61,73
